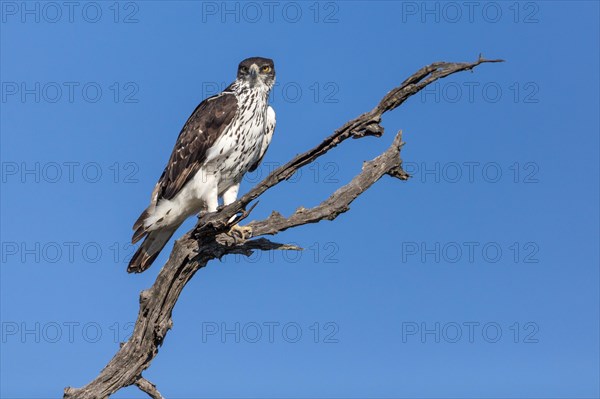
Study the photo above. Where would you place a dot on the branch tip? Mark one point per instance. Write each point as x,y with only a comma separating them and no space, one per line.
146,386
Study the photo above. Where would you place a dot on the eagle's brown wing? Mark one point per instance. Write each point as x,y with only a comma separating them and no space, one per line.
199,134
201,131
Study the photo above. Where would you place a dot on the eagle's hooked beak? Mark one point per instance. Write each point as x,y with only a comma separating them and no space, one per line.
253,71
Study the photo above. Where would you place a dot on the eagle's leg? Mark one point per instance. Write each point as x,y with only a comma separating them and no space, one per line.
236,231
209,194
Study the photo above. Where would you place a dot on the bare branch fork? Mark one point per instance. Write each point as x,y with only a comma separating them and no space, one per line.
206,240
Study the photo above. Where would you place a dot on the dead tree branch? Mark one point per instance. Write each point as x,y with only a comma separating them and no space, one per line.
148,387
206,242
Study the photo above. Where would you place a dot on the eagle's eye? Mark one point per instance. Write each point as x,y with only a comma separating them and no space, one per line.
244,69
265,69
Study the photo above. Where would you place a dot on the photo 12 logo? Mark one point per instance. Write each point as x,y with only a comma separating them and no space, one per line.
270,332
316,252
317,173
453,12
68,172
487,92
470,332
252,12
53,12
471,252
69,92
517,172
53,332
65,252
289,92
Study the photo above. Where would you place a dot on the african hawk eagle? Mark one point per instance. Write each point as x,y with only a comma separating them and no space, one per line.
226,136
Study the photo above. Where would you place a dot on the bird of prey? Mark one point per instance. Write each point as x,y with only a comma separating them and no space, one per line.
226,136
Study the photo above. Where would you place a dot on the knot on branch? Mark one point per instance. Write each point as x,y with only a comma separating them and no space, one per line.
277,217
398,173
370,127
159,334
144,296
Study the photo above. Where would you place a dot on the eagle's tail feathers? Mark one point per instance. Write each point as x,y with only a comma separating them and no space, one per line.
139,227
147,252
140,221
139,234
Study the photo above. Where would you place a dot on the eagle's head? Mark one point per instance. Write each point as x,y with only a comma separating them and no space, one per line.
257,72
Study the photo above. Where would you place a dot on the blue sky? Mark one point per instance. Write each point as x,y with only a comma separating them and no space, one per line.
476,278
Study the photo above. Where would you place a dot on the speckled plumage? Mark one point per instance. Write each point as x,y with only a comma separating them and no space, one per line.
226,136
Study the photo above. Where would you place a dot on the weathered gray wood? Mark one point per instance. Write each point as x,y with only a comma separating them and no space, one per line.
148,387
207,240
